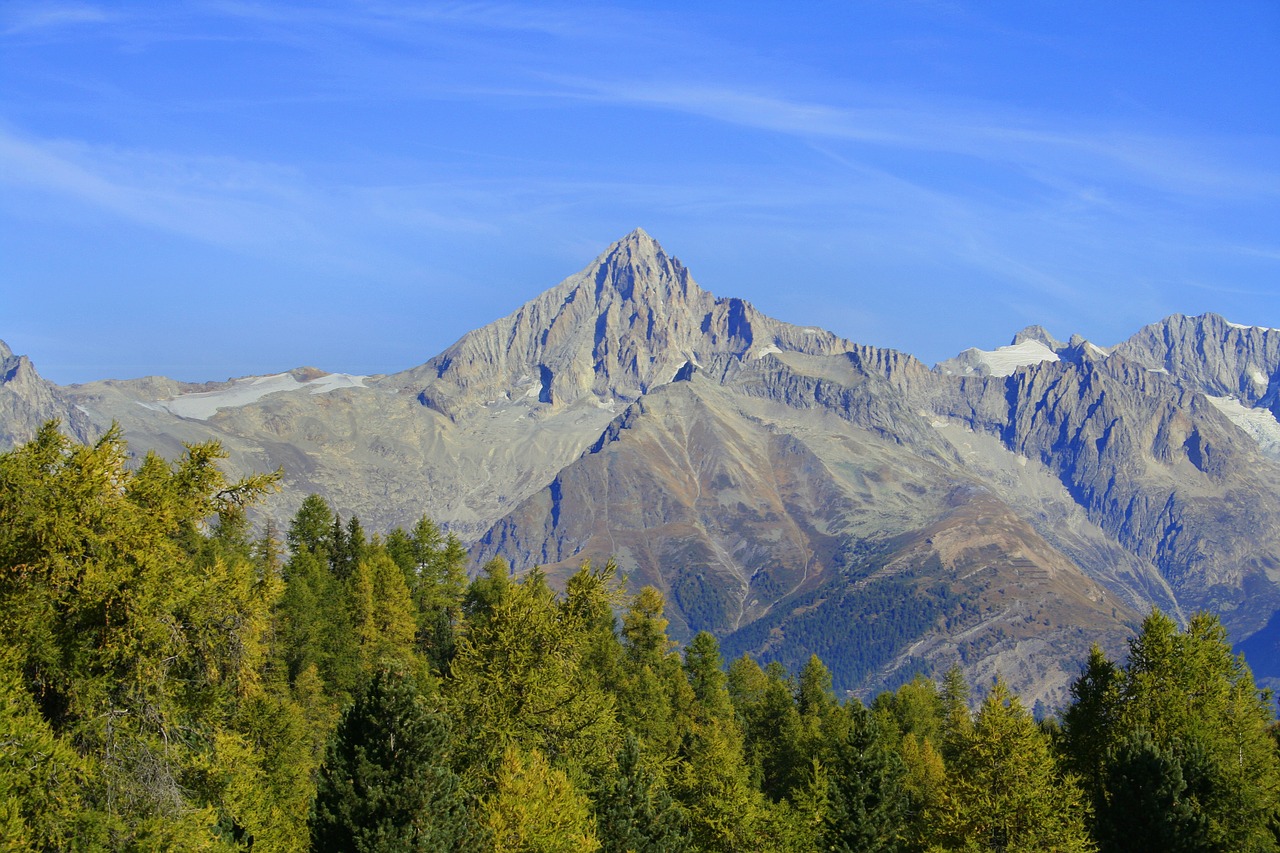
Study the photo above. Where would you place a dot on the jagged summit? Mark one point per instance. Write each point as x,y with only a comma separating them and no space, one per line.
1214,355
626,323
636,268
1039,334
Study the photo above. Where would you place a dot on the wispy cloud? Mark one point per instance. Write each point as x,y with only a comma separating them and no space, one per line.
32,17
1032,144
218,200
407,23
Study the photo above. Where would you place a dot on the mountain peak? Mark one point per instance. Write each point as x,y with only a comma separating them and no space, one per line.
637,269
626,323
1039,334
1214,355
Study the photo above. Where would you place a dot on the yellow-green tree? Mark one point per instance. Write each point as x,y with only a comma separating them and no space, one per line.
534,808
519,679
139,622
1181,723
1006,792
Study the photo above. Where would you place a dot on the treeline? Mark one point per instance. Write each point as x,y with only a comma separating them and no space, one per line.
169,681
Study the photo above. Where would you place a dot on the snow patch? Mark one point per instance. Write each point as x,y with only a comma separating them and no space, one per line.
769,350
242,392
1005,360
1259,423
1246,328
1258,377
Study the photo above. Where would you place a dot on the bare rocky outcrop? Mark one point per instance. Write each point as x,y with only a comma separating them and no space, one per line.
623,326
1212,356
27,401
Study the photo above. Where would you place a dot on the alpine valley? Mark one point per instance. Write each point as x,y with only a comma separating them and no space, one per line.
790,491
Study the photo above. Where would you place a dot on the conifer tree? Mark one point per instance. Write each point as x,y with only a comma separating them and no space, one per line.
713,784
519,679
381,611
312,527
132,625
1197,702
534,807
41,777
713,781
765,703
867,798
387,783
314,626
654,696
634,813
704,668
1091,722
1006,792
1149,807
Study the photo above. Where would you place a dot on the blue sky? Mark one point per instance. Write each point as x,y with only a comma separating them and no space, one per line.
206,190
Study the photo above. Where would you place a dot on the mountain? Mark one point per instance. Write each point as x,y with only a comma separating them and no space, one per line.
27,401
621,327
790,490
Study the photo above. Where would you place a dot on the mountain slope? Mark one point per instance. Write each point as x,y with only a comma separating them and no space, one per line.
827,519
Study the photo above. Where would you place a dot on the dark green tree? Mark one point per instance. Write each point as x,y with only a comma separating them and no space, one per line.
866,795
386,783
634,813
1091,721
764,700
1149,808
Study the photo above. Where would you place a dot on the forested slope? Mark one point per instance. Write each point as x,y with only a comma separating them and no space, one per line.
170,681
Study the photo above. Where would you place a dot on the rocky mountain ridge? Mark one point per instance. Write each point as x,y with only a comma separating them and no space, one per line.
788,489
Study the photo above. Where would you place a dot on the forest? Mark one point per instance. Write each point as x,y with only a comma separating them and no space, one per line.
172,679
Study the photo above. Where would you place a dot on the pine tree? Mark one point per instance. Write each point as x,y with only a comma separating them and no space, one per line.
713,784
1194,697
519,678
1091,721
381,611
534,808
866,789
634,813
654,696
704,668
386,783
1149,807
311,527
764,701
136,630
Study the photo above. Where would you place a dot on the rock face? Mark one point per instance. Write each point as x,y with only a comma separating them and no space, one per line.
1156,466
27,401
792,491
1212,356
621,327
